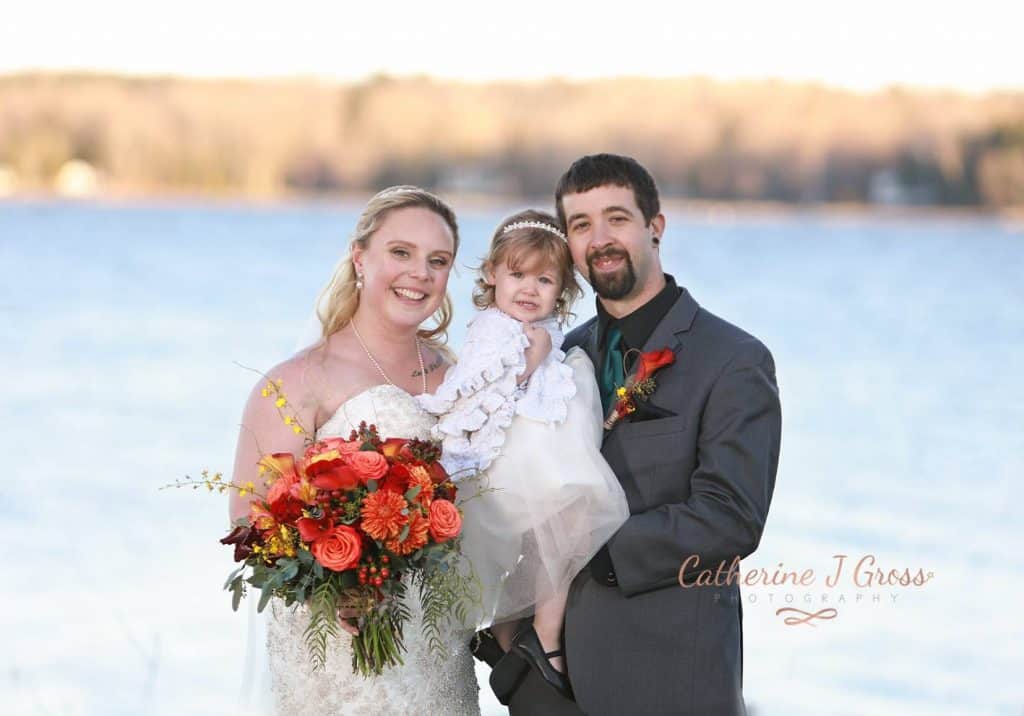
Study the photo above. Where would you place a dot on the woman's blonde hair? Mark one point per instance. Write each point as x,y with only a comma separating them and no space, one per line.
339,300
516,247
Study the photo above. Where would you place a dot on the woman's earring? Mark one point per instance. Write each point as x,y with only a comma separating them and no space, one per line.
359,282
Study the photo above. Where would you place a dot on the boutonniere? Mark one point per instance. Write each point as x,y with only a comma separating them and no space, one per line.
639,386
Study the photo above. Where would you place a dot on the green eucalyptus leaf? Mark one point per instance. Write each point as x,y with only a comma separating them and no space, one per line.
233,576
265,596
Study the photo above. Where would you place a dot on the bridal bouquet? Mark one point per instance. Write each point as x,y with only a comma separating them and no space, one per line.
339,527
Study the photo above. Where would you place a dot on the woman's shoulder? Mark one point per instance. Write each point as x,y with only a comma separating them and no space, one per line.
288,379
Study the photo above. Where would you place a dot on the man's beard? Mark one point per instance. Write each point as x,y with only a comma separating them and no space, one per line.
613,285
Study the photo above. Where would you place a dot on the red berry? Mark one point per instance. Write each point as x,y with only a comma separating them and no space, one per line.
373,570
343,498
384,559
377,581
385,573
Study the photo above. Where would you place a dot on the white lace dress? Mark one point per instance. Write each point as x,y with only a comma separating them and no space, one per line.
424,685
549,499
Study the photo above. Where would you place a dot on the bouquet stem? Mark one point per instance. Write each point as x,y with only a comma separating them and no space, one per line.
378,644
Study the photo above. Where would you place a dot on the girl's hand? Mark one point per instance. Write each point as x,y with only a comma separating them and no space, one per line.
536,352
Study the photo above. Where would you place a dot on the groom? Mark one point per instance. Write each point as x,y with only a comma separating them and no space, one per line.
697,463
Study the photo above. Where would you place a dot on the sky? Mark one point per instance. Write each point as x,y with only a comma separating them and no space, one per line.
865,45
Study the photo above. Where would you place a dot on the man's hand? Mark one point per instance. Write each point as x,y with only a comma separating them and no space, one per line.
536,352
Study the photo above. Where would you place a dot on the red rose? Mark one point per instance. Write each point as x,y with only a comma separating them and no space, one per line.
339,549
369,465
445,520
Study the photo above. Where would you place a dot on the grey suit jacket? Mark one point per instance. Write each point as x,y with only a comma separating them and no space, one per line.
698,483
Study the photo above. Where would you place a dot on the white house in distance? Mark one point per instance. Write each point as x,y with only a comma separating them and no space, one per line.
76,178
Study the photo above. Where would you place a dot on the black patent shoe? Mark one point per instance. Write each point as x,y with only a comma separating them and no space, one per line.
485,647
527,645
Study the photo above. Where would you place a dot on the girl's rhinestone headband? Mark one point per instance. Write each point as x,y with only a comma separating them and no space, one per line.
534,225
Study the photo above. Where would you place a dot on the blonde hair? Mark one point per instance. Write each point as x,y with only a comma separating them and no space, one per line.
517,246
339,299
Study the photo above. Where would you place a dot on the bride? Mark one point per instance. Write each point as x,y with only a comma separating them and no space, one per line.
371,361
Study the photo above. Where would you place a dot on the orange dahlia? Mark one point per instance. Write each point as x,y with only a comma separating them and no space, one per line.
419,477
417,537
384,514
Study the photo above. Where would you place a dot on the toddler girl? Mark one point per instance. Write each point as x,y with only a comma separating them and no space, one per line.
527,417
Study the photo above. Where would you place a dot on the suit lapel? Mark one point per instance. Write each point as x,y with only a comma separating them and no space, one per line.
674,325
590,344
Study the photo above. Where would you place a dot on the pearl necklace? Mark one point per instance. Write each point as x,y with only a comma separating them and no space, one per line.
419,356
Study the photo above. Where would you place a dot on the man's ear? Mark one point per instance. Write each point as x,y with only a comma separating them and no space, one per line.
658,228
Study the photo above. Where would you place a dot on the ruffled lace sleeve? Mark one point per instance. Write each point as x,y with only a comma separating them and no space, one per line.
477,399
551,386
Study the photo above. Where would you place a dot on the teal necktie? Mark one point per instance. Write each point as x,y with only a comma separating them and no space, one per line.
612,374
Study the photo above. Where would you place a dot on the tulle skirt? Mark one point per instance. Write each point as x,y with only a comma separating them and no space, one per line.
546,505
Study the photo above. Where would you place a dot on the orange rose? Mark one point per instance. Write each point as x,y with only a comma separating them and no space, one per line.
368,465
343,446
445,520
338,549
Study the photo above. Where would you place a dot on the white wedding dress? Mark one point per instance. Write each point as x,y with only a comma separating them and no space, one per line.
425,684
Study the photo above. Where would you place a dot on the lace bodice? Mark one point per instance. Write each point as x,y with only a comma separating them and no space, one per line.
425,684
395,413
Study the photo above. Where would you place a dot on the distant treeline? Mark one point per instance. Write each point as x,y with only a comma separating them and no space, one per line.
703,139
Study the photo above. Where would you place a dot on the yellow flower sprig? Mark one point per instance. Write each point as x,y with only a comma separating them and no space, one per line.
214,482
274,390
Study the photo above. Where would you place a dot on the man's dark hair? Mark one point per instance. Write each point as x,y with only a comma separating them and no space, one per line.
595,170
